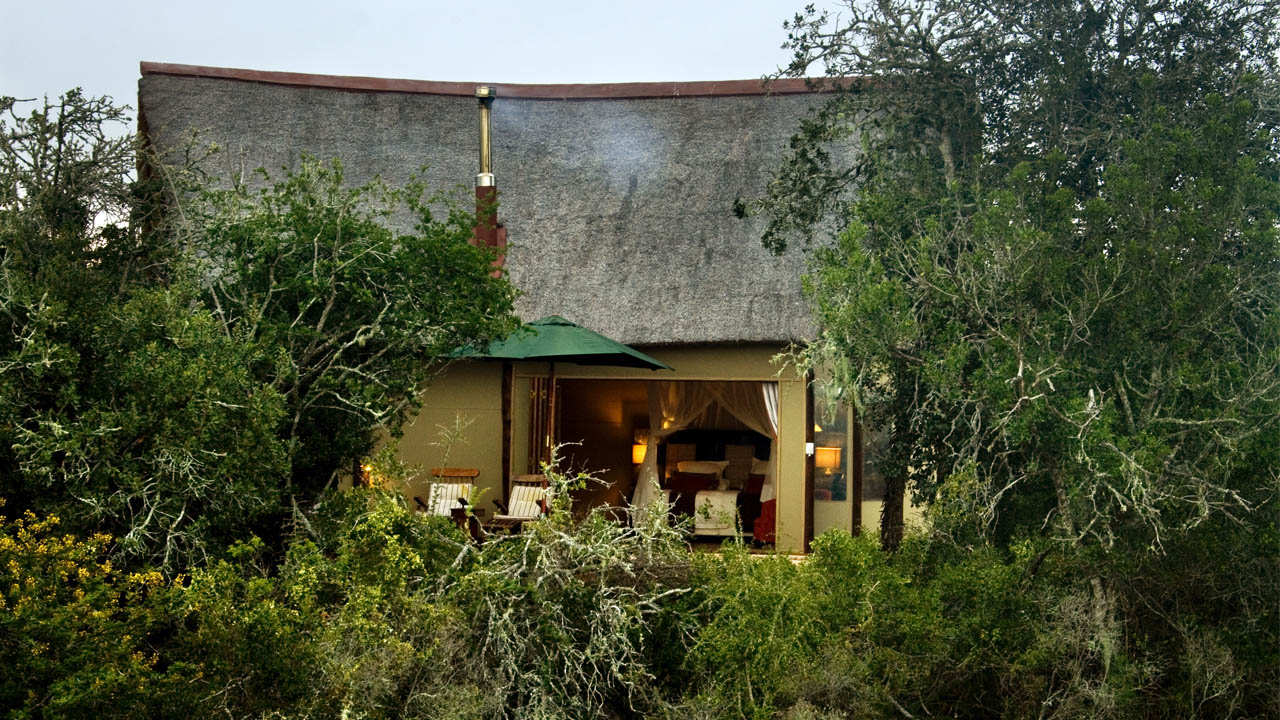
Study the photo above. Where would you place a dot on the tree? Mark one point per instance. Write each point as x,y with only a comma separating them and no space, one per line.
121,408
175,379
354,317
1056,283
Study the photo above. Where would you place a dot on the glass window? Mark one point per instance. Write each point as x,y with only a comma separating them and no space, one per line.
832,462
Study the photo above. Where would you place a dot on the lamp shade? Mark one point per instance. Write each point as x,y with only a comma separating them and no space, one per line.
637,453
827,458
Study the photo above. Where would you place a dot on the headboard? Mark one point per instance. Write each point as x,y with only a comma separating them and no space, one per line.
736,446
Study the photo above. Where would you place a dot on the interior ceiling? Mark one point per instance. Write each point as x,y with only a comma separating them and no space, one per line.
627,391
604,401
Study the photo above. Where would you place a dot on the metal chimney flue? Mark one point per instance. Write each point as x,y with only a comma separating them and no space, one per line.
485,95
488,231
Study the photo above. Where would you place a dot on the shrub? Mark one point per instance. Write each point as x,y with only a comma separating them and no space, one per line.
177,379
929,630
349,625
383,612
354,294
562,617
79,638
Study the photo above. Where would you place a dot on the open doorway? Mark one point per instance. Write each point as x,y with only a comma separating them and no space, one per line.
712,466
599,422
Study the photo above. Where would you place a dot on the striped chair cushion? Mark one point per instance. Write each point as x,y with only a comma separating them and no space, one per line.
524,502
442,498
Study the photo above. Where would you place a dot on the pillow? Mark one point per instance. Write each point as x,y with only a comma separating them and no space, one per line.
703,467
759,467
755,483
689,483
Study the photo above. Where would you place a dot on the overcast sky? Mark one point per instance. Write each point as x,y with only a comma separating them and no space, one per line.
48,47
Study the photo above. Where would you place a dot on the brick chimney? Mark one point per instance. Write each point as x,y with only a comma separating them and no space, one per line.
488,232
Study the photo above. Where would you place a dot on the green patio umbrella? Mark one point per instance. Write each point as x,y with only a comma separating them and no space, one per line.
555,339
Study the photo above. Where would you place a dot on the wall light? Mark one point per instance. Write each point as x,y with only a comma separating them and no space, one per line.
637,453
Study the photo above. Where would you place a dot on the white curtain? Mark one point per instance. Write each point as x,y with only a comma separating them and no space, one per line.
755,406
770,391
672,406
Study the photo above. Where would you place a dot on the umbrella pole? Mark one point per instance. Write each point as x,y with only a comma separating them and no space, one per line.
508,392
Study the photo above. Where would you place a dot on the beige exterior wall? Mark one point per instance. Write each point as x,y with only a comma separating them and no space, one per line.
792,505
473,392
468,395
912,515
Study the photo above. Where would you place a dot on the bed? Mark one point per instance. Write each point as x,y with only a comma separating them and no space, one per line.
721,496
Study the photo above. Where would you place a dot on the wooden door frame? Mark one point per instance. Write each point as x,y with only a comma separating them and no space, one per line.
808,460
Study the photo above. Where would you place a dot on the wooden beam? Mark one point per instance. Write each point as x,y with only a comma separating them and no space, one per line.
808,461
549,442
508,388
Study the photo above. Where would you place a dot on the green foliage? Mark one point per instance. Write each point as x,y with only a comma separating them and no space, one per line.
1018,337
389,613
180,386
349,629
352,631
124,408
77,636
762,622
1056,291
1057,281
352,316
937,92
936,630
76,225
1206,615
861,634
563,616
156,433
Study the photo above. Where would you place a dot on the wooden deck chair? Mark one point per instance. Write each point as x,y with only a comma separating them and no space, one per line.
528,501
451,490
455,474
443,498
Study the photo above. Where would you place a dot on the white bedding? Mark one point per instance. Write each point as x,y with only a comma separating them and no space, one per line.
715,512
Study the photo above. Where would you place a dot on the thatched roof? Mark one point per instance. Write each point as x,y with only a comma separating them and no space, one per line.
617,198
